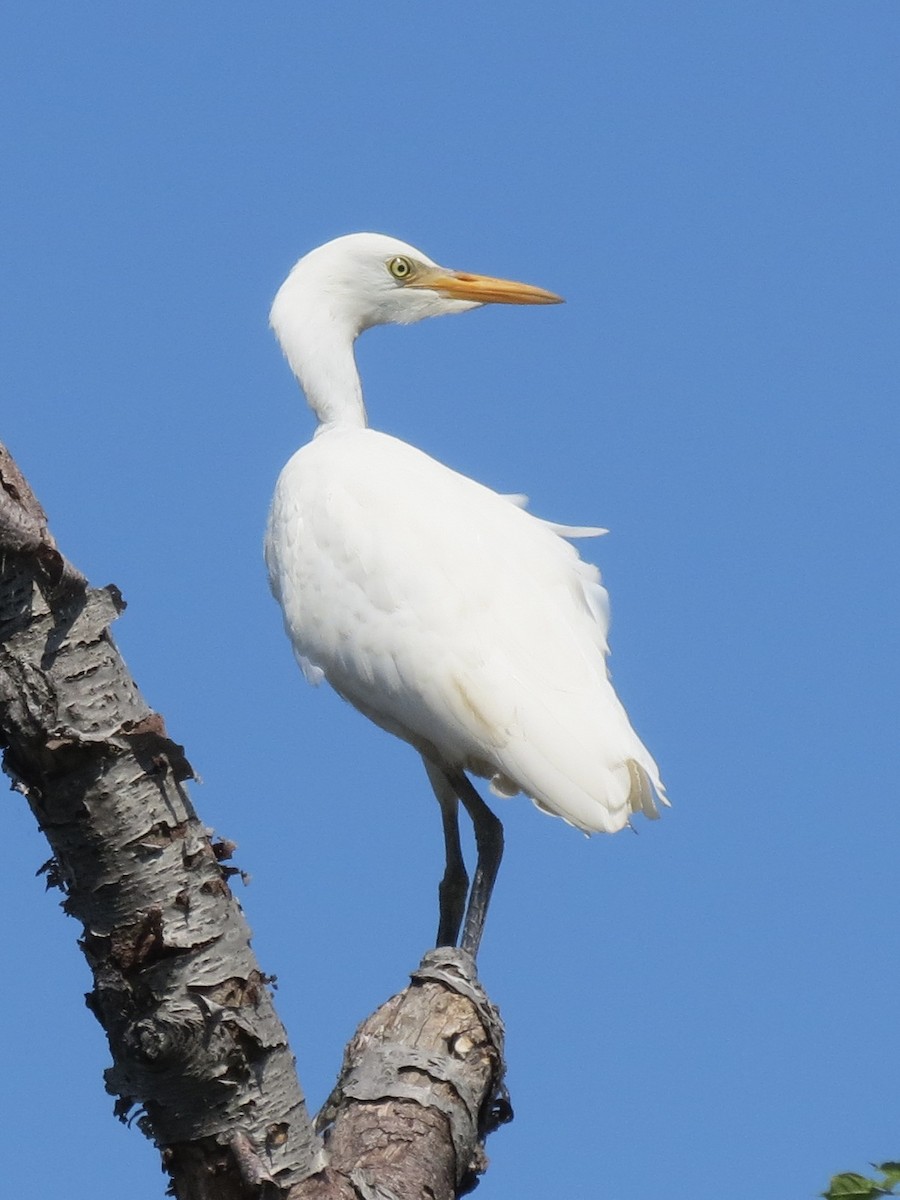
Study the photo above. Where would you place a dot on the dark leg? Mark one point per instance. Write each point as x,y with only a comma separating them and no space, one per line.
454,887
489,843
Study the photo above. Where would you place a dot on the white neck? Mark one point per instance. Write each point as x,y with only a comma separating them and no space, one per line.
319,348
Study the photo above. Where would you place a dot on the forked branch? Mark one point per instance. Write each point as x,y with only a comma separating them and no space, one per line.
199,1054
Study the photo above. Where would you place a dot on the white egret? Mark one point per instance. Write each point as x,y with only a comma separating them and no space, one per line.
442,610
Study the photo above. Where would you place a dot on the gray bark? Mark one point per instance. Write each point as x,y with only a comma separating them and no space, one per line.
198,1050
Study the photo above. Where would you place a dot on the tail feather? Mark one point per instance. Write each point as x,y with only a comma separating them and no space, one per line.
643,792
581,782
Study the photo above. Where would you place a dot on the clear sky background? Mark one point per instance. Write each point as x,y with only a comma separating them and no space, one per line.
706,1008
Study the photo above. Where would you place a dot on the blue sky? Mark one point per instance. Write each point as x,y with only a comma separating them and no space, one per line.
707,1008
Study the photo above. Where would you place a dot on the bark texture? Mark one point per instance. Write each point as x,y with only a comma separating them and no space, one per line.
198,1050
420,1088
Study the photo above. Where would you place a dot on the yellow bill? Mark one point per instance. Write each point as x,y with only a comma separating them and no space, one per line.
483,289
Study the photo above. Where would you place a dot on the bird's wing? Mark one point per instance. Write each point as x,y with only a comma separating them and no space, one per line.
457,620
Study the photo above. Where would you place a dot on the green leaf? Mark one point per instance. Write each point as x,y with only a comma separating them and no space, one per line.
853,1187
890,1171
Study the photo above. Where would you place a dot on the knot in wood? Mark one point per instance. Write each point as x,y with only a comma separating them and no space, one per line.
157,1044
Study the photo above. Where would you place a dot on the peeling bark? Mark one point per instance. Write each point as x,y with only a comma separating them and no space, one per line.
427,1064
198,1051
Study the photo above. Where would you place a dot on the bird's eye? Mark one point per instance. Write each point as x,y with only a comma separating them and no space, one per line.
400,267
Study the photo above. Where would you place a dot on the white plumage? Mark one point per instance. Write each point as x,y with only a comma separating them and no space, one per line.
444,611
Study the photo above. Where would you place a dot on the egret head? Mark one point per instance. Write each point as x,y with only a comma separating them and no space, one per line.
366,279
361,280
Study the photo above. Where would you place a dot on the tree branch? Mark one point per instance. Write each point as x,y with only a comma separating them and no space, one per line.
198,1050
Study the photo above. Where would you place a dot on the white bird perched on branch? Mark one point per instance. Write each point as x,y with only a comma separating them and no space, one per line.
442,610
